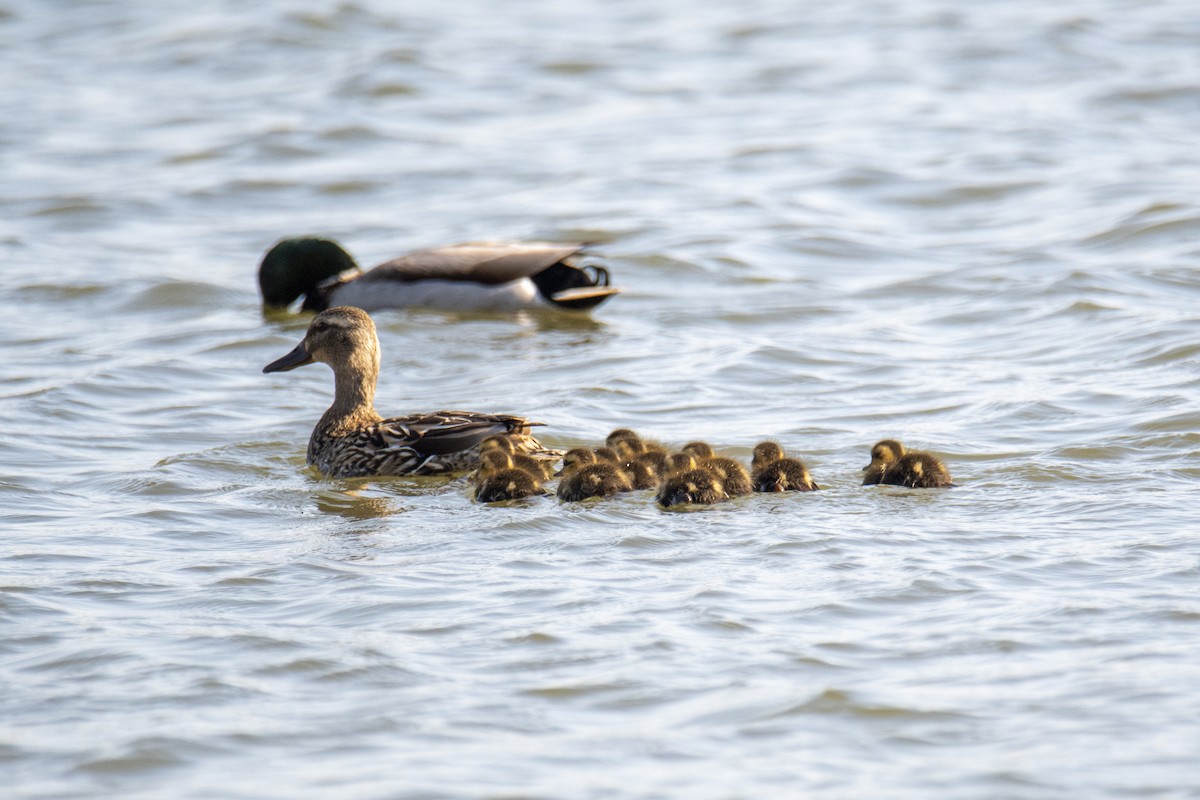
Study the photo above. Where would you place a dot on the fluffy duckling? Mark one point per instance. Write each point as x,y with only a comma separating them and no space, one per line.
765,453
772,471
701,450
621,435
891,464
656,459
642,474
695,486
607,454
352,440
678,463
601,479
732,474
576,458
784,475
509,483
499,276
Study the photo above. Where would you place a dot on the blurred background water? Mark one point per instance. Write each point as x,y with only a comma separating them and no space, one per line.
973,227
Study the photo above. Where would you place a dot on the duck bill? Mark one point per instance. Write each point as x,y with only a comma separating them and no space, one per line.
297,358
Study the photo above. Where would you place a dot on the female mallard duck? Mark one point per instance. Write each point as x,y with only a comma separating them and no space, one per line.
352,440
499,276
772,471
892,465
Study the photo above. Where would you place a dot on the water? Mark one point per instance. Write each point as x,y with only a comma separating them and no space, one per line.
969,226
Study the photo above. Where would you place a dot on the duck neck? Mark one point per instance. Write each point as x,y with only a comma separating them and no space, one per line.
354,390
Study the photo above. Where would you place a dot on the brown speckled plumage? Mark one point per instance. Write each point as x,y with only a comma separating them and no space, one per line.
352,440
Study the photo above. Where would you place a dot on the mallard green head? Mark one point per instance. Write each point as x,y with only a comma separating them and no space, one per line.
342,337
295,267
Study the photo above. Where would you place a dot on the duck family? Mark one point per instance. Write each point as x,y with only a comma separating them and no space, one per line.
480,276
351,439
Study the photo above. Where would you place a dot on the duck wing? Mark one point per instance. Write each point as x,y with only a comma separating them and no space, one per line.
488,263
445,432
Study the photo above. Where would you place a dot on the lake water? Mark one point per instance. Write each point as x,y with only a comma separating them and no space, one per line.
971,226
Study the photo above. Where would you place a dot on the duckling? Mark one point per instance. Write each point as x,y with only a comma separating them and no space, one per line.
732,474
507,484
501,442
678,463
698,486
784,475
352,440
765,453
642,474
891,464
620,435
883,454
576,458
601,479
629,448
701,450
772,471
498,276
656,459
607,454
490,461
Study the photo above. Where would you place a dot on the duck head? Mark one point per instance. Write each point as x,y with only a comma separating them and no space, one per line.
296,267
341,337
884,454
766,453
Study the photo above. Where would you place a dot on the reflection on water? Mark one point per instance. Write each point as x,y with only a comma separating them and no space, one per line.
969,227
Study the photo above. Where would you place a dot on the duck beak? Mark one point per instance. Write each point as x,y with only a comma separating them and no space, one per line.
297,358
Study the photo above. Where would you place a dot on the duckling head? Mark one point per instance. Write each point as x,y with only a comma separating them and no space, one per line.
577,458
294,267
885,453
342,337
621,435
701,450
765,453
681,462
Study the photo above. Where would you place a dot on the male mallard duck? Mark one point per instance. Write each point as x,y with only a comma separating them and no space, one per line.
498,276
772,471
892,465
601,479
696,486
352,440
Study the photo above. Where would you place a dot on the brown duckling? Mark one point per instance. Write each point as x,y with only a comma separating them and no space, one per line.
507,484
784,475
701,450
576,458
621,435
765,454
657,459
601,479
678,463
732,474
772,471
696,486
891,464
607,454
642,474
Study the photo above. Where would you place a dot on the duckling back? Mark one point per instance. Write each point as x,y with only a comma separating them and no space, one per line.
918,470
601,479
